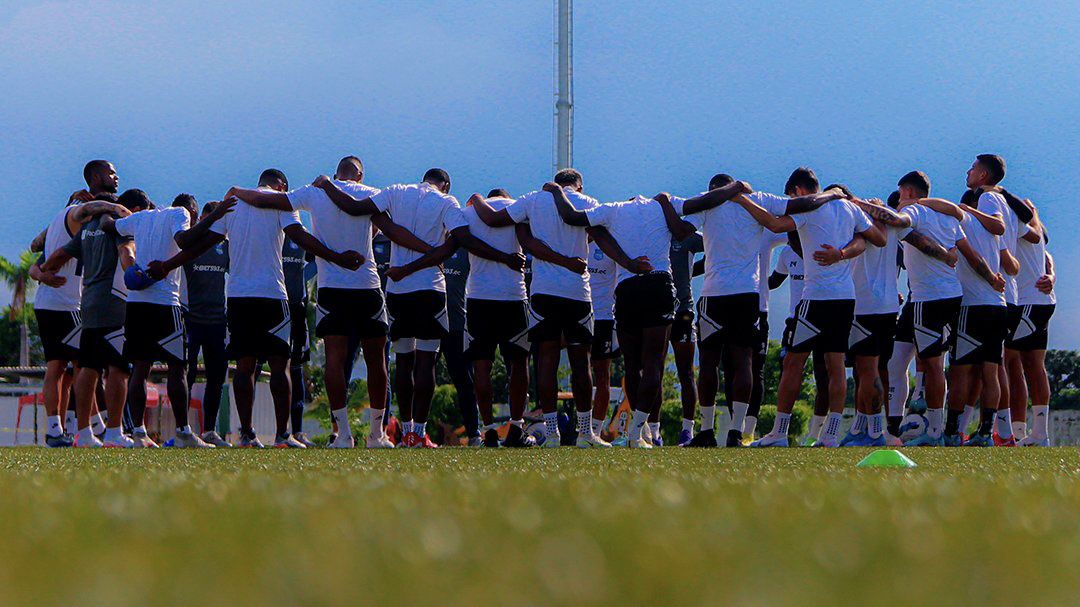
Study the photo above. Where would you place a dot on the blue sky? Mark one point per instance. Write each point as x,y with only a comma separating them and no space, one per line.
194,96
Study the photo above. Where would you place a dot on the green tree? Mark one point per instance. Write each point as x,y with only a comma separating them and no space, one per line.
16,275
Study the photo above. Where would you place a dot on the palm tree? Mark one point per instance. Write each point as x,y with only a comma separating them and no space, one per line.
17,277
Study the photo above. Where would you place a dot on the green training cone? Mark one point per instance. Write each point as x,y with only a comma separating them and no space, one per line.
886,458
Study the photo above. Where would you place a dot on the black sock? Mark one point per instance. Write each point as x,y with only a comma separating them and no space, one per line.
297,413
893,424
952,422
986,422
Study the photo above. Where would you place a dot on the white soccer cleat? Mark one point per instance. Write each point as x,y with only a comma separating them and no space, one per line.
379,442
592,441
552,442
1033,441
215,439
771,440
288,442
121,441
303,439
190,440
639,443
341,441
88,442
143,441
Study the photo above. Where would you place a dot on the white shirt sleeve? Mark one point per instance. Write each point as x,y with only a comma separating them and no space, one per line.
777,205
452,217
953,230
179,221
126,226
519,210
677,202
221,226
601,215
302,199
862,221
991,204
799,219
287,219
698,219
385,197
902,233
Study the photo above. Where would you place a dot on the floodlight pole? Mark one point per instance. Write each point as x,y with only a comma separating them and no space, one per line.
564,93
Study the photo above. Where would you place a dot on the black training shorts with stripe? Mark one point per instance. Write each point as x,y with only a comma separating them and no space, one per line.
979,336
872,335
927,324
259,327
154,332
729,320
354,313
59,331
822,325
1029,327
554,318
491,324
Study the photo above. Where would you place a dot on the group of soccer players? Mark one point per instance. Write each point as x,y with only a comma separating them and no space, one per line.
126,284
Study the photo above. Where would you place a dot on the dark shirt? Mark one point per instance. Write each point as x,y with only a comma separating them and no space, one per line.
682,266
104,297
205,279
456,271
293,260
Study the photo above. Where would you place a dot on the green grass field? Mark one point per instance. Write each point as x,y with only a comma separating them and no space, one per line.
457,526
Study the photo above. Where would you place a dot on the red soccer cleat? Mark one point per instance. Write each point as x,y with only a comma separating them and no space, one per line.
1000,442
428,443
412,440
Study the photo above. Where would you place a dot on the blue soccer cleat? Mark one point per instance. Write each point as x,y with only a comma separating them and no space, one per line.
849,439
685,437
770,440
953,440
979,440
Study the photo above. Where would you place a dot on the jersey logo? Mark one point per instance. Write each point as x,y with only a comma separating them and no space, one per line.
598,255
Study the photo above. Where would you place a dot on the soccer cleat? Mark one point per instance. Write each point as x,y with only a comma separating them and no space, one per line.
864,439
685,437
375,442
215,439
303,439
1033,441
979,440
121,442
143,441
491,439
428,443
476,441
639,443
734,439
770,440
1004,442
953,440
91,442
552,442
892,441
850,438
190,440
827,442
332,438
285,441
250,442
340,441
925,440
590,440
517,439
59,442
658,441
705,439
808,441
412,440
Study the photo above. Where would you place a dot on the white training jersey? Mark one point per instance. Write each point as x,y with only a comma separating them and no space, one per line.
790,264
64,298
340,232
638,225
154,231
256,240
538,210
491,279
835,224
1032,257
769,241
602,270
978,292
1008,239
429,214
931,279
875,275
732,244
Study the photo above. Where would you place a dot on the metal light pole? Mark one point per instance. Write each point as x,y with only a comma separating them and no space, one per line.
564,91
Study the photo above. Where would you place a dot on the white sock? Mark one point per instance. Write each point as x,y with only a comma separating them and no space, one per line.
183,430
597,426
584,423
688,425
113,434
420,428
708,417
520,423
376,428
877,424
637,423
816,421
55,427
934,419
738,415
1019,429
749,425
551,424
859,425
654,431
140,429
69,421
97,424
1003,423
781,423
832,425
86,434
965,418
341,416
1040,427
919,392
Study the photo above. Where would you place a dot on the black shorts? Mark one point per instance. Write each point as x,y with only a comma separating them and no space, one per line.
102,347
554,318
872,335
683,328
605,344
645,301
417,315
154,332
729,320
1030,331
927,324
821,325
491,324
259,327
299,343
980,335
59,332
353,313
